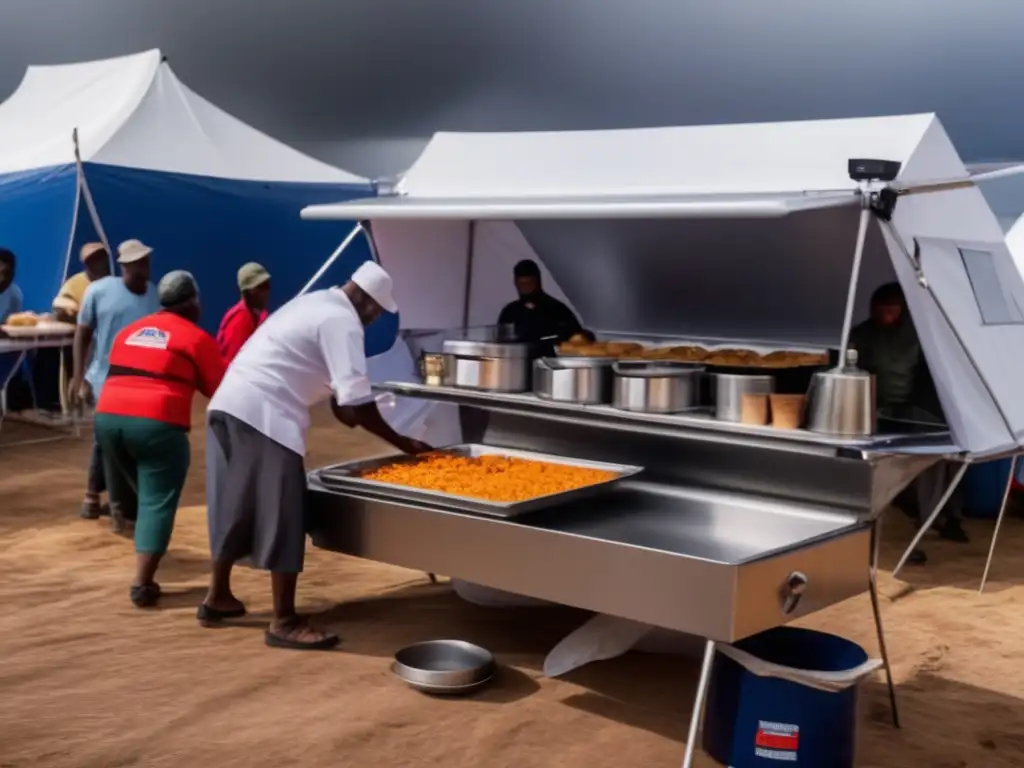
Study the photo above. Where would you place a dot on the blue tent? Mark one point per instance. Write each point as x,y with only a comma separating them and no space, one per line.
120,149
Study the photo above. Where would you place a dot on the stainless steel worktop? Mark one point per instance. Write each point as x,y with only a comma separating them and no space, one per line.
935,443
709,563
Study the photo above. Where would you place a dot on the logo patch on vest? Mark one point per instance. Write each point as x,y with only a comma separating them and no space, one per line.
150,337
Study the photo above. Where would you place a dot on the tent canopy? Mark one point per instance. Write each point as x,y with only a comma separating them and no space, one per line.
635,229
133,112
162,164
1015,242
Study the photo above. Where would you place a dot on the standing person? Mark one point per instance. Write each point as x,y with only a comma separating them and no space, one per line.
109,305
53,367
95,266
242,320
144,414
536,315
887,346
11,300
308,351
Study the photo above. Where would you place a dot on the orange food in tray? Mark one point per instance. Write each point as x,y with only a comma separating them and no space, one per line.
491,478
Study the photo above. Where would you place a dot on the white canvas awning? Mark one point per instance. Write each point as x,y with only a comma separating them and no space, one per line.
634,228
582,207
133,112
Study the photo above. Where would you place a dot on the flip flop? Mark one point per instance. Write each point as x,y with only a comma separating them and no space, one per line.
276,641
145,595
209,616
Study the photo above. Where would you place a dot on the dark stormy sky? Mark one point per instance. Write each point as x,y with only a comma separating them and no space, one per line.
363,82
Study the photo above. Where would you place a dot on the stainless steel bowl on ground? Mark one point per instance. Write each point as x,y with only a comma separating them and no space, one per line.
445,666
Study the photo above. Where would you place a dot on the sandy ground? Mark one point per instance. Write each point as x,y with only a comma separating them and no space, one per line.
87,681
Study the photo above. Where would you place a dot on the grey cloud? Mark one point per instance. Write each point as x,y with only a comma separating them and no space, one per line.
363,82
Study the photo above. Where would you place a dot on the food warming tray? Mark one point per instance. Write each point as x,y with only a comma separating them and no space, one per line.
346,477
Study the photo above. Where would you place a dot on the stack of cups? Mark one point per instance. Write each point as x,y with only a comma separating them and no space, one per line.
781,411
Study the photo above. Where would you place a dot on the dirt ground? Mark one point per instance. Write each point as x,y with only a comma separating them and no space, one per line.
89,682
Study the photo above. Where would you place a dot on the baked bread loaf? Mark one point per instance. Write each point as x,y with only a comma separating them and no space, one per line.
23,320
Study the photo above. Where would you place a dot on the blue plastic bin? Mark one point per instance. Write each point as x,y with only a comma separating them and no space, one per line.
984,486
755,720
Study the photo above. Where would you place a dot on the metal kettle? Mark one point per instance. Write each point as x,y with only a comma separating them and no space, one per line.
842,401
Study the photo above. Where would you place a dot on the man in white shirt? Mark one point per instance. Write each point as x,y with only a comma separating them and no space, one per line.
308,351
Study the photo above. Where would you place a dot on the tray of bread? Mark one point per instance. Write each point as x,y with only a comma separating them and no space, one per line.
711,357
22,325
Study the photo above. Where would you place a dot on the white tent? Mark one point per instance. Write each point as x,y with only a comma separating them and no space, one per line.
735,232
156,161
640,230
133,112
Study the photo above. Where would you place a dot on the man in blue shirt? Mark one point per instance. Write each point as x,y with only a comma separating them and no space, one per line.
110,304
11,300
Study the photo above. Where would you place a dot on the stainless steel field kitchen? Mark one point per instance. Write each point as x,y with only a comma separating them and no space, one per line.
710,239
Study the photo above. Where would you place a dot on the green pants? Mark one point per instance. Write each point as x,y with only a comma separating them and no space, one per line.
146,462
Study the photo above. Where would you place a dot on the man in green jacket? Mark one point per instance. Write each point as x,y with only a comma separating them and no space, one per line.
887,346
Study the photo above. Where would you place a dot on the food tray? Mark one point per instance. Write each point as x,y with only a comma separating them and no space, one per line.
345,477
43,330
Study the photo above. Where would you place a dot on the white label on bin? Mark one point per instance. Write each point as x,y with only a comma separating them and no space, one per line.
777,741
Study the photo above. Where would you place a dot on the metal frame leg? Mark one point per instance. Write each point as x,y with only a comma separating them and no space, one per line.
932,517
999,522
876,540
698,704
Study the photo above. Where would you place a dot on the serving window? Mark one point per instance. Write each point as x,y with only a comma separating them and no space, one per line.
994,296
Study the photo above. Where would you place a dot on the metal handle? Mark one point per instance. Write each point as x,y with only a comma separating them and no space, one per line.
792,590
543,362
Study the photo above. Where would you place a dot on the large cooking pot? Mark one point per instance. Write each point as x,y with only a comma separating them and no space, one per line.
656,387
488,365
843,400
729,389
586,380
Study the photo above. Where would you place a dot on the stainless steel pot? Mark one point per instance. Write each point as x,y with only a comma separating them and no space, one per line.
491,366
573,380
729,389
656,387
843,401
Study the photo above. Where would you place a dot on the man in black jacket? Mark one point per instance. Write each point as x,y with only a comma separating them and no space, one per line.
536,315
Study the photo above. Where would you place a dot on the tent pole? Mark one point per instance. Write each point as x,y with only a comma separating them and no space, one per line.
999,522
74,215
89,203
851,291
698,704
468,289
932,517
876,609
332,258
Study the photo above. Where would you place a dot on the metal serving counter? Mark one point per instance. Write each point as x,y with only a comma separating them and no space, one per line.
706,563
727,532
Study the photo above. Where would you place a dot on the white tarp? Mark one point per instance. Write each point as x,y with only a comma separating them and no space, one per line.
132,111
753,161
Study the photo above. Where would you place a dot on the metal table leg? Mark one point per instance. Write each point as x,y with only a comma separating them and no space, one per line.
931,518
999,522
876,539
698,704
